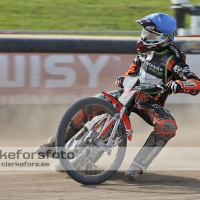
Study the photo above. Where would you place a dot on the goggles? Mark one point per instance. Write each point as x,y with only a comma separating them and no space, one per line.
151,36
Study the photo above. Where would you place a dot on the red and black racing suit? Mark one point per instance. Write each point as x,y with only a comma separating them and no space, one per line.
162,65
154,65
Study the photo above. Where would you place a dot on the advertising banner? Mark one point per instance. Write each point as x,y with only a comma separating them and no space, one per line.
53,78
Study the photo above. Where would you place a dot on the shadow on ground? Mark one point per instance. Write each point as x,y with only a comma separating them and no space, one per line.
153,180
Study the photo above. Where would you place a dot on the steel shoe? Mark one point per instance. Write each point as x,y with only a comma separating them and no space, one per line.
134,172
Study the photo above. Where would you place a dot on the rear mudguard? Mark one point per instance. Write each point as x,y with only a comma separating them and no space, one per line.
124,117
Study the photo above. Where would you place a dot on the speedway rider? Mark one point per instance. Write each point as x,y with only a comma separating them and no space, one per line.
157,58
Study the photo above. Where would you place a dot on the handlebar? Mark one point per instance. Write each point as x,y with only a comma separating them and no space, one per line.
162,86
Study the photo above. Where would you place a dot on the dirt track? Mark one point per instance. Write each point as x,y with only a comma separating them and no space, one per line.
55,186
31,125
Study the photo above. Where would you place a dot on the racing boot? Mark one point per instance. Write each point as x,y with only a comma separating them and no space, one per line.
134,172
147,154
48,149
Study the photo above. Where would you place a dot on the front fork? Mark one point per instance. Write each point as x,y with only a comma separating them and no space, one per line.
115,120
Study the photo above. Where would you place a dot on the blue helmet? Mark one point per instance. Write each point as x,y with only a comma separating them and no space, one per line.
158,32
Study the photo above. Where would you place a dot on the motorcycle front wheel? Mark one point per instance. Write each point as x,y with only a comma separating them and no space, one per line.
84,161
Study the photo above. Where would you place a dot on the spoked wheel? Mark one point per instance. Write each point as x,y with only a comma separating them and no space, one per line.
81,153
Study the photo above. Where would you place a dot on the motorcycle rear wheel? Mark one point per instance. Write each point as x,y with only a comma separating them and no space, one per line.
63,137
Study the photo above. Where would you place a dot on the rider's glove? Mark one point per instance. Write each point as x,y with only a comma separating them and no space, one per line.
174,87
119,81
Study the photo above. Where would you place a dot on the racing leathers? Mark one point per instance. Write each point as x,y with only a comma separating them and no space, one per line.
169,66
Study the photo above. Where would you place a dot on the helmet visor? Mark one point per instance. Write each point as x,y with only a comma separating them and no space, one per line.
151,37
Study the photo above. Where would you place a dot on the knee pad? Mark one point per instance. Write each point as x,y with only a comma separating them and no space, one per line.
166,126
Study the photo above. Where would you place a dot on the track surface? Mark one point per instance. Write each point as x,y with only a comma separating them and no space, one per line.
56,186
31,125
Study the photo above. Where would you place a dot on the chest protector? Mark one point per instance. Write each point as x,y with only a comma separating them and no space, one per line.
154,65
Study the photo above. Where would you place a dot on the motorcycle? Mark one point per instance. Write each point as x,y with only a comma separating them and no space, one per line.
95,151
